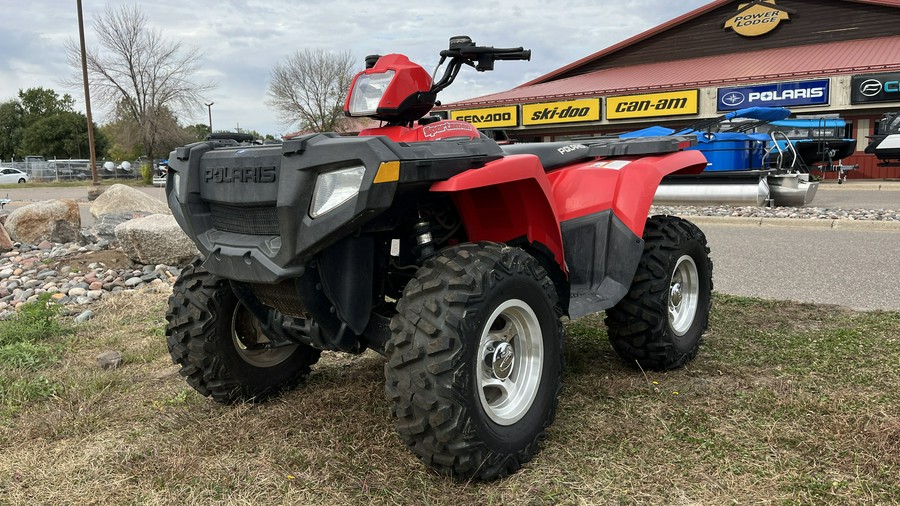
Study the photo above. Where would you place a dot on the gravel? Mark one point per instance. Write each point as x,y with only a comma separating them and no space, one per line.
812,213
25,274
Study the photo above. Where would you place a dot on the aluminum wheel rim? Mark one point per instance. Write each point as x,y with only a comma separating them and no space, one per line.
684,295
510,362
243,323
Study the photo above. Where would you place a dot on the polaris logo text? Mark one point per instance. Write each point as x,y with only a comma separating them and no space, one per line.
554,113
240,174
485,118
663,104
571,147
772,96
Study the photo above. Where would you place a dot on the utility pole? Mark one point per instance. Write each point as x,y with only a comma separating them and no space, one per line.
209,106
87,98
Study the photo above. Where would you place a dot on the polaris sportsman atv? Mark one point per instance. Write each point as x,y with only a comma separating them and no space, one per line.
427,242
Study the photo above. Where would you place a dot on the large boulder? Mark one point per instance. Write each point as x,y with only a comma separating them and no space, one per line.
121,199
50,220
104,228
6,243
155,239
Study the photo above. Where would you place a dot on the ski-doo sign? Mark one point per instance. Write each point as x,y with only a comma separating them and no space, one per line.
774,95
875,88
569,111
758,17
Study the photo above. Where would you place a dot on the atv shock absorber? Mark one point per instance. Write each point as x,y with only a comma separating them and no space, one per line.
424,240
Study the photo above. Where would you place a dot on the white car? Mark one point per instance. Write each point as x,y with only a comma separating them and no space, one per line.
9,175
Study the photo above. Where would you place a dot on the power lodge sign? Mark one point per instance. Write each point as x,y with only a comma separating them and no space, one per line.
758,17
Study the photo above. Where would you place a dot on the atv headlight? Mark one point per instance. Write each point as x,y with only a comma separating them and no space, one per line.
334,188
367,92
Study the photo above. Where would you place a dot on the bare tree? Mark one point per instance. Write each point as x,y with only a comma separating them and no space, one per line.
141,77
309,87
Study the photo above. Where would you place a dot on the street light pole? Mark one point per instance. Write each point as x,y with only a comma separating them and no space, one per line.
209,106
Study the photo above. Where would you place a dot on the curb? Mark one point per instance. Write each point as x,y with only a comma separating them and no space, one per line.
866,186
868,225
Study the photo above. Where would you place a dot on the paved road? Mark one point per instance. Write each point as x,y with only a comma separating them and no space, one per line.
855,268
852,198
23,196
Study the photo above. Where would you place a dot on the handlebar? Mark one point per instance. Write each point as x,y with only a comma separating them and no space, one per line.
500,53
463,48
463,51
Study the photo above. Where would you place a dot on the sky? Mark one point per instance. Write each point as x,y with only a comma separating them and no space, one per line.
241,41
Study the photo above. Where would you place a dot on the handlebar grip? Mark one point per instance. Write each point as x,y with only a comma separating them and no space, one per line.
520,54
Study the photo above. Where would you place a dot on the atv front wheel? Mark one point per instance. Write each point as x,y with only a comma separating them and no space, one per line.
475,362
660,323
212,335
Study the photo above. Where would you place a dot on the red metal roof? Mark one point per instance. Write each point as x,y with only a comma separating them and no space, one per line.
855,56
684,18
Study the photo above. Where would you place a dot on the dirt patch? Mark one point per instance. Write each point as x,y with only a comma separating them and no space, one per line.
109,258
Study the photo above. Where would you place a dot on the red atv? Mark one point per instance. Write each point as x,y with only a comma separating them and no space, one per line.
451,256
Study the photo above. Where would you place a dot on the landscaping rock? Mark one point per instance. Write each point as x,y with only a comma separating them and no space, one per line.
55,221
121,199
109,360
155,239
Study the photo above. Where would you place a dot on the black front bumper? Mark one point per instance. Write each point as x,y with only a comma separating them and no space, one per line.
248,208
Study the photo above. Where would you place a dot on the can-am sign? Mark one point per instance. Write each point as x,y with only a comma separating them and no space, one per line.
758,17
651,105
791,94
875,88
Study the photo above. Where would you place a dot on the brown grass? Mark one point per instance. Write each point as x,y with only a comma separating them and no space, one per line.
786,404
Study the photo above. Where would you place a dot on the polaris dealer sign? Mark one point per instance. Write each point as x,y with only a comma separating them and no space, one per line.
774,95
875,88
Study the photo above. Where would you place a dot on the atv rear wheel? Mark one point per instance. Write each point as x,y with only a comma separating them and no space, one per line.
211,335
475,362
660,323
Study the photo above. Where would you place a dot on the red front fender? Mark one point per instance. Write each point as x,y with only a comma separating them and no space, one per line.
507,199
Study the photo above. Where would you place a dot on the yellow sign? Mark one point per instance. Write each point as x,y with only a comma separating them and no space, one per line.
673,103
490,117
570,111
757,18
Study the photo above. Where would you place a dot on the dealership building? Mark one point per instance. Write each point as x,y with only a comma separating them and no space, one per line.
814,57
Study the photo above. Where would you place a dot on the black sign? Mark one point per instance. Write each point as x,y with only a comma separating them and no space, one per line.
875,88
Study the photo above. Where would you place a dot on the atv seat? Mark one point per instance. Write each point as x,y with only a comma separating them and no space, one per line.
551,154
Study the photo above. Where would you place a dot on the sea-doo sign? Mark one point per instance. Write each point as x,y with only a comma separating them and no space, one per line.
489,117
774,95
569,111
651,105
875,88
758,17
